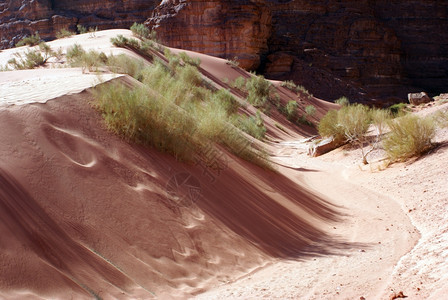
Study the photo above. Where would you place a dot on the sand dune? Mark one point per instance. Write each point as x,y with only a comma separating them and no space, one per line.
86,214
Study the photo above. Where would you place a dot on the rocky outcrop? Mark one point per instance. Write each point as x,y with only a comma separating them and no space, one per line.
21,18
229,29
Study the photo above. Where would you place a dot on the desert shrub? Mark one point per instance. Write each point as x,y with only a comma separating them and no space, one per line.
74,52
32,58
329,126
92,31
119,41
310,110
233,62
63,33
190,75
189,60
343,101
258,89
239,83
355,120
81,29
441,118
125,65
31,40
398,109
140,30
253,125
303,91
379,118
227,101
289,84
139,116
409,136
291,109
91,60
176,116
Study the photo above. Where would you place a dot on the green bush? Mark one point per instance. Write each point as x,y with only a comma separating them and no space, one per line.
175,112
253,125
398,109
441,118
329,127
81,29
125,65
310,110
227,101
291,109
258,89
31,40
189,60
409,136
32,58
239,83
343,101
303,92
380,117
140,30
355,121
63,33
289,84
139,116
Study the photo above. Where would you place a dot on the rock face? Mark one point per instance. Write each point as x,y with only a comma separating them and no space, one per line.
20,18
229,29
388,48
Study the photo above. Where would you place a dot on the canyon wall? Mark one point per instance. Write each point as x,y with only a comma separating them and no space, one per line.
387,48
21,18
362,49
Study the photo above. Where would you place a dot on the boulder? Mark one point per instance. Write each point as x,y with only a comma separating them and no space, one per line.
418,98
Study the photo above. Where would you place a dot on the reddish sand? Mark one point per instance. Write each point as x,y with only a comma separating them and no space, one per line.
84,213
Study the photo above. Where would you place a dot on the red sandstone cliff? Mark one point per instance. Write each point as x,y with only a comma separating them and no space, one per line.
20,18
221,28
388,48
332,47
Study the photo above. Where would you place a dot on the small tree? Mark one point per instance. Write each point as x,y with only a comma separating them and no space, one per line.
355,121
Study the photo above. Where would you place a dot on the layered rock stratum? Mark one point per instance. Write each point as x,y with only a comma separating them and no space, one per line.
361,49
21,18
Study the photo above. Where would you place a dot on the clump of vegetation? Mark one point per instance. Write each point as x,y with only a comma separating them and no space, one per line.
176,113
63,33
233,62
31,40
32,58
330,127
441,118
189,60
291,110
409,136
258,89
398,109
310,110
81,29
289,84
253,125
303,92
143,32
343,101
239,83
